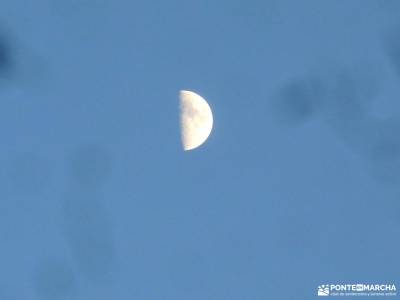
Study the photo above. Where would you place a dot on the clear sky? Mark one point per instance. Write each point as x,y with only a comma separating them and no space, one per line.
297,186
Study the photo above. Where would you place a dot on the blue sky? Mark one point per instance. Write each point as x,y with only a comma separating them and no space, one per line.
297,185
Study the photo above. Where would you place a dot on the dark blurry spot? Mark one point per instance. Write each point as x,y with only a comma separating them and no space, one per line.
54,280
6,56
19,64
89,234
352,90
393,49
349,91
348,110
385,154
91,165
298,100
5,59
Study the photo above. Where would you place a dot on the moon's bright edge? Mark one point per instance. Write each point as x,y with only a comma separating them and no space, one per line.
196,120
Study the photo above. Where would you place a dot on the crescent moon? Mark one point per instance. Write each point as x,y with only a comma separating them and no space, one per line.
196,120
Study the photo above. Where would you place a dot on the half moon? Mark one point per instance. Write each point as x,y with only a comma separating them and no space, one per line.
196,120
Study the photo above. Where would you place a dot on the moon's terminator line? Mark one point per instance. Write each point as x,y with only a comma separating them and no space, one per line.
196,120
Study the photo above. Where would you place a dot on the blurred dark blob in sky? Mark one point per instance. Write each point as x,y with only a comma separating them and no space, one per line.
350,93
87,226
385,153
343,98
297,101
393,48
7,62
20,65
55,280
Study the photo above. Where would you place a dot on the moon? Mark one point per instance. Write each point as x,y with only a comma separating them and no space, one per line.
196,120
